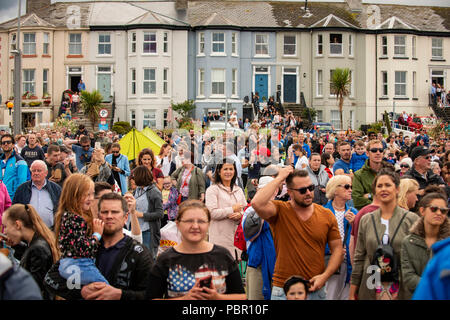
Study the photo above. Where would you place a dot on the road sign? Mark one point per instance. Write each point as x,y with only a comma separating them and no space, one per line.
103,113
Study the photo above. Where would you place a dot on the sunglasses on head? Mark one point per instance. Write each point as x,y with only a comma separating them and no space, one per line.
373,150
346,186
303,190
444,211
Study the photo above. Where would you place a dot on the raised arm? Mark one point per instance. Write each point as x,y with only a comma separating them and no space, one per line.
261,201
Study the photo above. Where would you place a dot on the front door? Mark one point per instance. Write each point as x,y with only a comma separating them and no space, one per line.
290,88
104,86
74,81
261,86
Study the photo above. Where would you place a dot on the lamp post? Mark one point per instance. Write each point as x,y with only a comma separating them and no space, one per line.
17,116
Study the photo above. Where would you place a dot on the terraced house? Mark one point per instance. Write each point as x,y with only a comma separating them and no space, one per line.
144,55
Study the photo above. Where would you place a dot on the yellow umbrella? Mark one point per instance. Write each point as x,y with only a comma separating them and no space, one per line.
133,142
149,133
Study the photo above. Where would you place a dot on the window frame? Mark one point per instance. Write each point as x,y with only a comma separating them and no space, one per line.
384,46
133,82
234,82
45,74
319,84
384,84
150,119
201,44
219,94
319,45
334,120
73,45
104,44
396,46
262,44
219,43
201,83
403,84
414,47
165,90
414,85
133,42
234,44
338,44
31,82
150,42
46,44
150,81
166,43
441,48
351,49
290,44
29,47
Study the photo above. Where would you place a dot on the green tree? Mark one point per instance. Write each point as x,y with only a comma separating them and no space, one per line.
184,109
91,103
340,84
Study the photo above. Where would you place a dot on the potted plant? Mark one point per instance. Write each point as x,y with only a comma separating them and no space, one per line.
35,103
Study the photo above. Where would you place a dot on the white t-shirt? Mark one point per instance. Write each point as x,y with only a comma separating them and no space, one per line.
385,239
300,163
138,238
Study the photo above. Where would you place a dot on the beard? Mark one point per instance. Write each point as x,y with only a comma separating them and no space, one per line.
305,203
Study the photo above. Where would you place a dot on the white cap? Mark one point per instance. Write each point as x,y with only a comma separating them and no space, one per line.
263,181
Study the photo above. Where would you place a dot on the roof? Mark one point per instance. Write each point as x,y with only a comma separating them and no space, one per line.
243,14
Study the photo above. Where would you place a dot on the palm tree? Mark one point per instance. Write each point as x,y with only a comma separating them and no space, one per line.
340,84
91,103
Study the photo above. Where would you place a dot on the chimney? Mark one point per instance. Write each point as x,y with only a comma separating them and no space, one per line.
181,4
35,6
355,5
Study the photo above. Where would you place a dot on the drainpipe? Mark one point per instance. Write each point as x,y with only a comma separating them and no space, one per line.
311,90
376,76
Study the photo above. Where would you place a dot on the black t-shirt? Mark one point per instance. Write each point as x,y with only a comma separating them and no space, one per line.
31,154
175,273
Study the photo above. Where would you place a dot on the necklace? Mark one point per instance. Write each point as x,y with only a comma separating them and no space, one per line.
339,209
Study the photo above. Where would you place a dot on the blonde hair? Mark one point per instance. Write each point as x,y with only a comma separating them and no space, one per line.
72,194
406,186
333,183
31,220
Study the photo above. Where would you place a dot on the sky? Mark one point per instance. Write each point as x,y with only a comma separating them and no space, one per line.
9,8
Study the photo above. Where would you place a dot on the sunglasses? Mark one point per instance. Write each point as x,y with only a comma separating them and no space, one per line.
346,186
303,190
404,166
444,211
115,151
86,146
373,150
7,142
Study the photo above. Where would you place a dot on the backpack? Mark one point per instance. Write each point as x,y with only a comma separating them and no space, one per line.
239,238
384,256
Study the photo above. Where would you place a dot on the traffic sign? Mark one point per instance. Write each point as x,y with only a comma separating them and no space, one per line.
103,113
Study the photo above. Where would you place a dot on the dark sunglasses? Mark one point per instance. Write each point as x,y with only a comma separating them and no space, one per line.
7,142
346,186
303,190
86,146
404,166
444,211
373,150
115,151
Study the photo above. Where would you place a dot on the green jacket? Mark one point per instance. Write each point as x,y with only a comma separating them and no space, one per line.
197,183
367,244
415,255
362,184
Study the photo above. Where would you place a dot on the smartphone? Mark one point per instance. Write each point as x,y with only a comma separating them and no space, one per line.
206,282
98,145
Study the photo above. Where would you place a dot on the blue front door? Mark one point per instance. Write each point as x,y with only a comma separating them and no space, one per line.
261,86
290,88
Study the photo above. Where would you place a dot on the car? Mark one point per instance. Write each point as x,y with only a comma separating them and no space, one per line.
218,127
322,127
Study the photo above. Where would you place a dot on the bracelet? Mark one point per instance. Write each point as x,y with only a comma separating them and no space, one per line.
97,235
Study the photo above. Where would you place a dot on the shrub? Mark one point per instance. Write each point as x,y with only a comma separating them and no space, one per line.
121,127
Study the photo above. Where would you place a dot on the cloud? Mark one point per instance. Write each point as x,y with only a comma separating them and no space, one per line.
9,9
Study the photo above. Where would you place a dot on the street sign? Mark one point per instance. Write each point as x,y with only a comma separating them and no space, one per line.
103,127
103,113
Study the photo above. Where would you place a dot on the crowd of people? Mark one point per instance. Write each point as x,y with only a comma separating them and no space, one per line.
273,213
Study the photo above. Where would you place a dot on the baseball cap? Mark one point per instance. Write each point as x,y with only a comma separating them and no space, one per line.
419,151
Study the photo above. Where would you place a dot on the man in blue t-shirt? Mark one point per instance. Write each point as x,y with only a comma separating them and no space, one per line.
342,166
301,141
83,153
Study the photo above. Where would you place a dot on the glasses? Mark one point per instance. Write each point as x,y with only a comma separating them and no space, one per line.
303,190
86,146
7,142
346,186
115,151
444,211
192,222
427,157
404,166
373,150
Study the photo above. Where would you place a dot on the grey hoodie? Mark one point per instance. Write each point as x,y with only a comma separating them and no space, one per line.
320,181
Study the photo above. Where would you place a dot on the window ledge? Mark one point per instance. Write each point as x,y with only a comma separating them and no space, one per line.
261,56
234,96
290,56
74,56
133,54
166,54
401,98
218,54
336,55
149,54
200,97
383,58
217,96
319,97
415,59
29,56
438,59
401,58
201,55
104,56
235,55
149,96
416,99
46,56
383,98
319,56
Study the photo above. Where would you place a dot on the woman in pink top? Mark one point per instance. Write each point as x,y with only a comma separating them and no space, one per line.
226,202
5,201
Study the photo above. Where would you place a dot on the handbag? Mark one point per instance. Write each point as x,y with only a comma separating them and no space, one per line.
184,184
328,256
